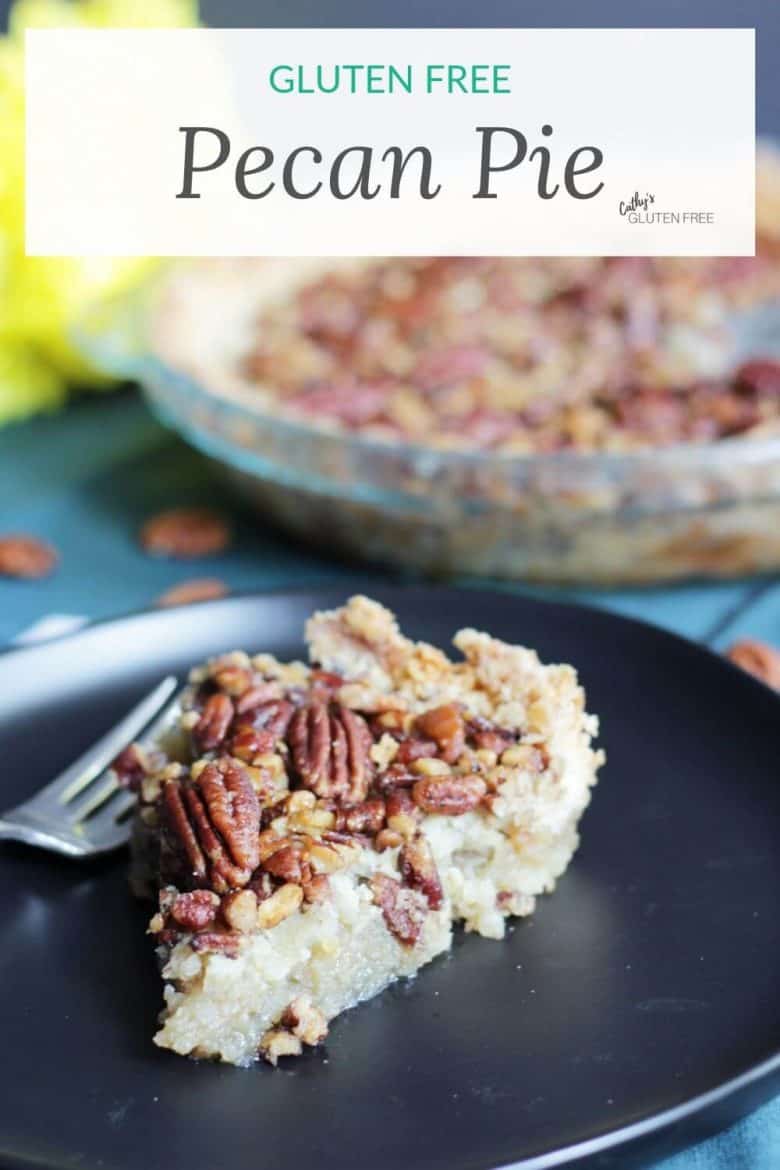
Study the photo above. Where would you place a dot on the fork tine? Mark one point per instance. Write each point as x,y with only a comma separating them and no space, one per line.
88,767
96,795
108,820
56,819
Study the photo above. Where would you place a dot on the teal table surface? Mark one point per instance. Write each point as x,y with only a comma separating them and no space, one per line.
87,479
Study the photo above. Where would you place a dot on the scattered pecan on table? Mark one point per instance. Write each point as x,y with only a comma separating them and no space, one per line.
26,557
199,589
185,533
757,658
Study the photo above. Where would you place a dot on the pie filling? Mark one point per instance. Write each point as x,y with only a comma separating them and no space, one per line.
521,356
312,833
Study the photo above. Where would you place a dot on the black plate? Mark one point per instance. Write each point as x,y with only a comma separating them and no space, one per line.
637,1010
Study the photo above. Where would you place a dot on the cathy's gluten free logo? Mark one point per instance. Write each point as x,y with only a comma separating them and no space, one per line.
640,209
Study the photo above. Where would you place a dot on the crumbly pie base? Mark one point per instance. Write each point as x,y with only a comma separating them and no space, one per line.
314,833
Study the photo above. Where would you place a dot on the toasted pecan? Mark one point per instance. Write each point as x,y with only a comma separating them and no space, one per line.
331,751
757,658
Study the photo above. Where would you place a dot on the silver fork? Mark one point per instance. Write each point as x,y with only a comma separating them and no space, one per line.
84,812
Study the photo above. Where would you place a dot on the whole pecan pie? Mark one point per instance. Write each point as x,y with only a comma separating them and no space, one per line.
312,833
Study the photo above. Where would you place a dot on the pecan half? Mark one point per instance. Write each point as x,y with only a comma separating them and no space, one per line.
221,942
527,756
185,533
233,680
239,910
195,910
404,910
130,766
387,839
288,863
257,733
234,809
402,813
415,749
448,795
368,817
759,376
445,725
483,734
317,888
757,658
215,719
331,751
257,696
418,870
282,903
200,589
325,682
214,824
26,557
261,885
395,777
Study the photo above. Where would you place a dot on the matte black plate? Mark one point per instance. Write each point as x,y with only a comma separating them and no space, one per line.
638,1009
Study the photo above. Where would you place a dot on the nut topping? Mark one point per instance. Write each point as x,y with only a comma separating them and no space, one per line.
430,766
415,749
445,725
239,910
325,682
367,817
282,903
317,888
196,910
130,766
331,750
404,910
395,777
215,719
279,1042
305,1021
260,727
233,679
485,736
256,696
525,755
418,870
387,839
214,824
234,809
402,813
286,863
329,856
223,942
448,795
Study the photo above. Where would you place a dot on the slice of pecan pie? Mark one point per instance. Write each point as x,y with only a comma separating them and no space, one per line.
314,832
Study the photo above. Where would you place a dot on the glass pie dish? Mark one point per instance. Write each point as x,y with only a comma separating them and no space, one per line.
570,516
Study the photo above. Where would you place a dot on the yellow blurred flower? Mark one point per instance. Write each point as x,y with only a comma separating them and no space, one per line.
41,299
